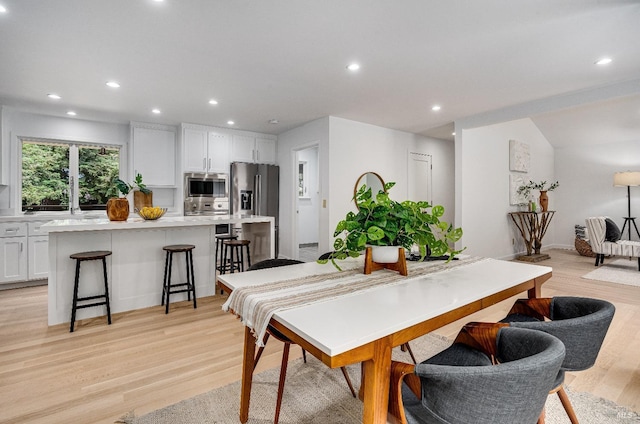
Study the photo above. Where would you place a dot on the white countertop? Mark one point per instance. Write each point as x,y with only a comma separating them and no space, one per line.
135,222
45,217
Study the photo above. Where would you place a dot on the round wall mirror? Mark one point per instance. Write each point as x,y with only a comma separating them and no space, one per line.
372,180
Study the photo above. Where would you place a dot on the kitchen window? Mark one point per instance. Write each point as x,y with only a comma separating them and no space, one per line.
59,176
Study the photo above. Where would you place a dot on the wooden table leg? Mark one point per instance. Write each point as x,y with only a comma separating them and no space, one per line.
376,372
536,291
247,373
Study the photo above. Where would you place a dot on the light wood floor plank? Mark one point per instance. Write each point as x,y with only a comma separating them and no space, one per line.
146,360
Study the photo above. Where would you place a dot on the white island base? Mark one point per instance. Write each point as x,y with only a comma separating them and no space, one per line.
136,268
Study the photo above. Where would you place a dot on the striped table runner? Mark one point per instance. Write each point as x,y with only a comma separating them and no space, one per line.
255,305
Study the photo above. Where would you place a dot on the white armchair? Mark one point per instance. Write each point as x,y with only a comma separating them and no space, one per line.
597,228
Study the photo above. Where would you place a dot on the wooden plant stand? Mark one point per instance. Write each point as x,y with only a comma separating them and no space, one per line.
400,266
532,227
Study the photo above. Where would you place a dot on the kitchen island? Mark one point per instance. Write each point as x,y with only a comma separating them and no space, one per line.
136,267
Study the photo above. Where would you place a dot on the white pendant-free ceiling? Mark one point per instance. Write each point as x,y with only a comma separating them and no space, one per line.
287,60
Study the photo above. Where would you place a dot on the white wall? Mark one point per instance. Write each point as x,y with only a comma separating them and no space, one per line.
309,206
17,124
346,150
483,198
356,148
586,178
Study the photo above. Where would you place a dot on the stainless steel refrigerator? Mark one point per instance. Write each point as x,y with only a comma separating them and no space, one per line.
254,191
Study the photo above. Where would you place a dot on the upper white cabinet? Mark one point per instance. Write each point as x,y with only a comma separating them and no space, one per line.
253,149
218,152
154,152
206,151
195,150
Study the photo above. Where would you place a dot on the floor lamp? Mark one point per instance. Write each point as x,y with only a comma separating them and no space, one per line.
628,179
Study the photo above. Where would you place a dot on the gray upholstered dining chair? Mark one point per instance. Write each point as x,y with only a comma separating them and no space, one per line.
273,332
460,385
580,323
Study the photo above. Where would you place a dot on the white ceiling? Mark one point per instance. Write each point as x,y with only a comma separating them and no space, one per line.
286,60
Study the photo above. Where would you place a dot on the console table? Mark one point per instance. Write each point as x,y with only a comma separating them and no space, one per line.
532,227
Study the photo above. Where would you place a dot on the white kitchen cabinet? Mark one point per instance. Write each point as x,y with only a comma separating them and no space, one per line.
253,149
154,152
13,252
38,248
38,251
218,152
206,151
266,150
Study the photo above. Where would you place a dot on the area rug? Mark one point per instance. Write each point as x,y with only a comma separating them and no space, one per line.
621,271
316,394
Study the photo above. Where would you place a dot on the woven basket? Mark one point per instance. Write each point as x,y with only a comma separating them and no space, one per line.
584,248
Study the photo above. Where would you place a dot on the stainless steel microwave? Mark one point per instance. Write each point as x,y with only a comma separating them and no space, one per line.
197,185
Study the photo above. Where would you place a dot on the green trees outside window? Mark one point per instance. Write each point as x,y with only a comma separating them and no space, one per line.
49,168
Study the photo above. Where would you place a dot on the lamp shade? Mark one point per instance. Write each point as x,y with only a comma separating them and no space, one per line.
625,179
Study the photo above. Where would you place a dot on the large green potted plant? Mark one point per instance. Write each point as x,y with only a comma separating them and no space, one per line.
381,221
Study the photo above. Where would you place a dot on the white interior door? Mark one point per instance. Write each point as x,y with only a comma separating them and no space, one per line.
419,177
307,195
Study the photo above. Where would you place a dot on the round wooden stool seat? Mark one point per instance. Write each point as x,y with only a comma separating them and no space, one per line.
179,247
237,242
90,256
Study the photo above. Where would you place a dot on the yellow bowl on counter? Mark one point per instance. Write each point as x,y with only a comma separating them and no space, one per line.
151,213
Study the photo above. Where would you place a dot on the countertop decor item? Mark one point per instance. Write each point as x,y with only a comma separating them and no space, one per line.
142,196
541,186
381,221
118,205
149,213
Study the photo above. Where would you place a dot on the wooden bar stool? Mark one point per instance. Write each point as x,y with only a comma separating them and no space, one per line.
232,247
220,264
90,256
189,286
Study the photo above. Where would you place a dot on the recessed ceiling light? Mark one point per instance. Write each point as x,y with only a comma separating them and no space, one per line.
353,67
274,121
453,133
213,102
436,108
230,122
71,113
3,9
156,111
604,61
113,84
53,96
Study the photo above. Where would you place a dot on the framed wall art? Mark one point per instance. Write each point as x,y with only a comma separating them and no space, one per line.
515,181
519,156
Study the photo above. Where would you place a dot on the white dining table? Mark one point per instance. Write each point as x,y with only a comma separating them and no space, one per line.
366,325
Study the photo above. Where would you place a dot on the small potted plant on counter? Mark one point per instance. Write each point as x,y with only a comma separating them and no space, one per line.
118,204
381,221
142,196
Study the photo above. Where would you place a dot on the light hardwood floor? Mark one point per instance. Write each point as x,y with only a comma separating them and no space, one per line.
146,359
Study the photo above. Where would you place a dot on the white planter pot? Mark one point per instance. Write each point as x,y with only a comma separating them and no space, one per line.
384,254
